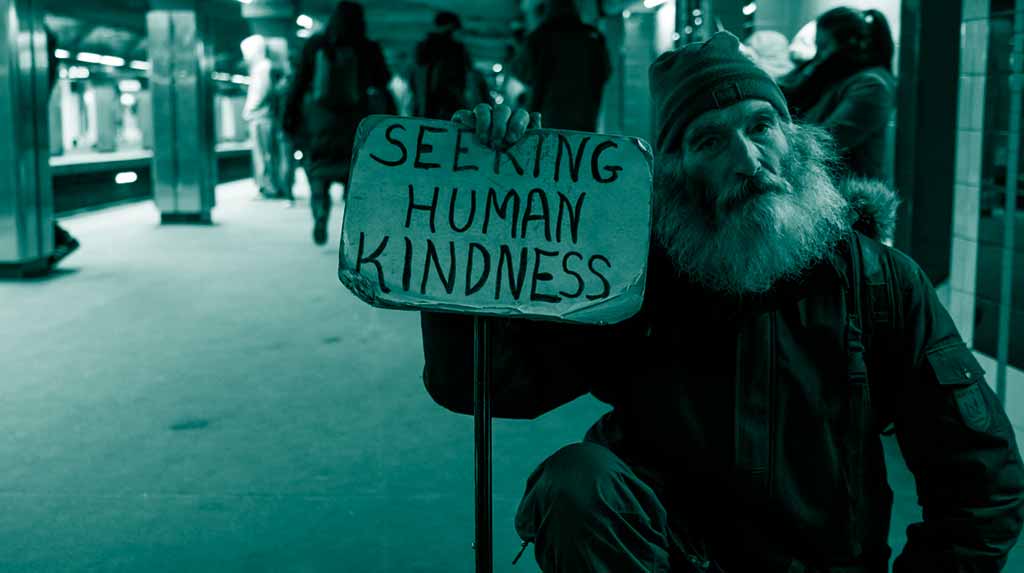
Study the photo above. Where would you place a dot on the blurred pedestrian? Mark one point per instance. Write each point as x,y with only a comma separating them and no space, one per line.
283,160
441,79
341,78
258,112
564,62
848,88
770,51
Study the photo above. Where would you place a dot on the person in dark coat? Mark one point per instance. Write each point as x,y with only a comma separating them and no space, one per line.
323,130
848,88
564,62
442,75
749,393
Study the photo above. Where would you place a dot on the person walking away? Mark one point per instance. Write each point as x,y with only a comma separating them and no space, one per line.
565,65
257,112
848,88
340,77
441,77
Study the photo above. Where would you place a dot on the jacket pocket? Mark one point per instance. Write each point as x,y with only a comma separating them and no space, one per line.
958,372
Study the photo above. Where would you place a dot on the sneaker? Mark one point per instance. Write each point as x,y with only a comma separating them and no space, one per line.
320,233
64,249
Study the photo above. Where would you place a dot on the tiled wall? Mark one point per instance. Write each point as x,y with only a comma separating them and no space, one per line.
982,138
967,193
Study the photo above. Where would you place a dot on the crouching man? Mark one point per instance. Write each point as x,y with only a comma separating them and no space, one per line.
777,340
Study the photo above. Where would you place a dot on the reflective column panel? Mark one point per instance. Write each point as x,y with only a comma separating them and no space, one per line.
26,196
181,64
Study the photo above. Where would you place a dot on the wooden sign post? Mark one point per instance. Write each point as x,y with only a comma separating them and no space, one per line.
556,228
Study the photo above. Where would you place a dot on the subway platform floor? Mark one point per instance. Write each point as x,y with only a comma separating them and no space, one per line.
211,399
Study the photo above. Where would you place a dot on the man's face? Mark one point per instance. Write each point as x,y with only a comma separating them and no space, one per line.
729,152
749,199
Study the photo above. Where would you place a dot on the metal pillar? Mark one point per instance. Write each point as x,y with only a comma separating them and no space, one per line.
181,64
26,195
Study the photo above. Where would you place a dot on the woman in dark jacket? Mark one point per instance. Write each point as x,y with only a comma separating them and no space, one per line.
848,88
320,116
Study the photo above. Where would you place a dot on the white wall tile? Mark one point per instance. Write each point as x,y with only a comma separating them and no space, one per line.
963,264
966,206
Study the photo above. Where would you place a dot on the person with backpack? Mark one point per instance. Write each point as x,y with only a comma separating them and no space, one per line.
778,338
441,80
341,78
564,63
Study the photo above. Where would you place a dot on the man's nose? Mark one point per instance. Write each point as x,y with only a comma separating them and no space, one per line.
746,156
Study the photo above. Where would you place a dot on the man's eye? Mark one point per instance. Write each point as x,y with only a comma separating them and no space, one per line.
761,127
707,143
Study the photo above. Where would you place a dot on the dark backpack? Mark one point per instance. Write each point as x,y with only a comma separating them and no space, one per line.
446,78
336,78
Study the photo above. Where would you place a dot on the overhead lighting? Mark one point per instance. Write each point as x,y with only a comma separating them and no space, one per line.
304,32
128,100
129,86
749,9
497,68
126,177
112,61
240,79
139,65
245,1
88,57
297,155
304,21
61,54
78,72
653,3
626,14
221,76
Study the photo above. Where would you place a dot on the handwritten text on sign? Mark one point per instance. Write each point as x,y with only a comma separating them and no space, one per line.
557,226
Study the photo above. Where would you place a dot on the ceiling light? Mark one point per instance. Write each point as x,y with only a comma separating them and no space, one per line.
89,57
112,61
653,3
497,68
750,9
139,65
240,79
126,177
304,21
61,54
129,86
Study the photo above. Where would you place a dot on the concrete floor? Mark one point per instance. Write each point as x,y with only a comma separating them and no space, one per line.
210,399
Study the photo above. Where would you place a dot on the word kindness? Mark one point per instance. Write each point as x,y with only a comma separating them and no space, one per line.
556,225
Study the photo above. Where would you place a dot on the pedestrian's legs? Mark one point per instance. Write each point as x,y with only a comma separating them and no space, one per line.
262,158
586,510
320,201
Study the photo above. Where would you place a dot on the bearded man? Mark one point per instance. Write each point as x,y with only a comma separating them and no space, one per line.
747,399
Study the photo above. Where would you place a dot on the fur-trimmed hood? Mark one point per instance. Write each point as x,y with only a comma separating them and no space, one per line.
872,207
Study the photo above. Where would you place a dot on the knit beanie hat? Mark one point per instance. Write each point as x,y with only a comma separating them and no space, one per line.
703,76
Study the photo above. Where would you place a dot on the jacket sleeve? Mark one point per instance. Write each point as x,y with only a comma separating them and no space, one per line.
535,366
955,437
300,85
864,108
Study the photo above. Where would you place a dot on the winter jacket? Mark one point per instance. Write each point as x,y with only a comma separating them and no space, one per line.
442,72
565,64
857,110
325,135
760,418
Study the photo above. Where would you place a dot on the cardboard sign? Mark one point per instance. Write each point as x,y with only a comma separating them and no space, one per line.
556,227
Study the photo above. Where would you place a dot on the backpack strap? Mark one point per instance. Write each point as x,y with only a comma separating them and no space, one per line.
875,309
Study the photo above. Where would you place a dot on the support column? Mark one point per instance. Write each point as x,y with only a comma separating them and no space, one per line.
181,64
26,195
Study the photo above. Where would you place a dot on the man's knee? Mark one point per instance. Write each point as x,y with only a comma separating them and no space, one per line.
583,480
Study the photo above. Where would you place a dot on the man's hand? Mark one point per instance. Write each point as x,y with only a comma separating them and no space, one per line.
497,128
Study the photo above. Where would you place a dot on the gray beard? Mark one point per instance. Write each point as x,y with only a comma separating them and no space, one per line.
772,235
